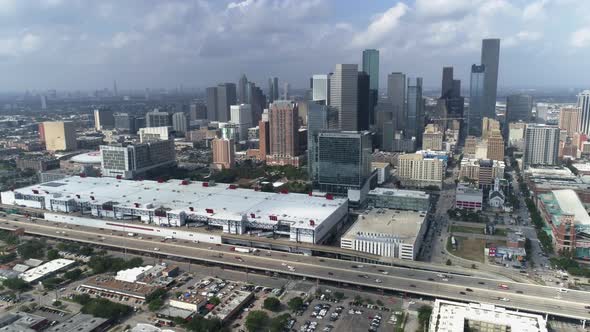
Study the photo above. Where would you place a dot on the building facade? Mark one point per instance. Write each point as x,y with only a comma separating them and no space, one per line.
223,153
490,59
569,120
158,119
541,145
284,140
180,123
477,101
241,115
584,106
103,119
59,136
519,107
414,170
344,95
129,162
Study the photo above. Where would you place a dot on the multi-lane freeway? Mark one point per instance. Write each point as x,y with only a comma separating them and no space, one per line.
534,298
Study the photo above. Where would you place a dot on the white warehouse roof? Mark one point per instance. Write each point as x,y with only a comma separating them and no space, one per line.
46,269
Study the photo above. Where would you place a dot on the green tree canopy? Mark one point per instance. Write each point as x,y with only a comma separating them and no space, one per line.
272,304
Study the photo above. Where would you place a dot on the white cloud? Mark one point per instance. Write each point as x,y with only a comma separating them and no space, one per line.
440,8
581,38
381,26
166,13
8,6
534,11
241,4
30,42
122,39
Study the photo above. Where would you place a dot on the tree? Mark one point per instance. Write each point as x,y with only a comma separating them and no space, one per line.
155,305
358,299
201,324
256,320
295,303
15,284
449,262
82,298
214,300
73,274
424,313
31,249
105,309
379,303
278,323
338,296
52,254
473,266
272,304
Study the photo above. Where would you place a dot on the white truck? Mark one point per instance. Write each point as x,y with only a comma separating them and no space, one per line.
131,234
241,249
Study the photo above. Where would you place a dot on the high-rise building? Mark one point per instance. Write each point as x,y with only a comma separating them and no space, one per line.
541,145
432,139
319,118
275,88
414,123
286,92
115,90
371,67
415,170
447,82
321,89
396,93
584,106
131,161
263,139
569,120
226,96
242,92
158,119
242,116
476,100
489,126
344,95
386,124
490,58
363,101
344,160
519,107
456,88
43,102
495,148
284,133
180,122
211,103
103,119
516,134
223,153
126,122
153,134
197,111
59,136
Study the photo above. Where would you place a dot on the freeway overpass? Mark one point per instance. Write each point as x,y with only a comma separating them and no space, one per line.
533,298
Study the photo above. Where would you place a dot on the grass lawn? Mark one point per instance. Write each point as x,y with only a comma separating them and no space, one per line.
465,229
471,249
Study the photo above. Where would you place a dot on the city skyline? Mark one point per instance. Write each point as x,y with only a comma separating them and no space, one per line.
144,44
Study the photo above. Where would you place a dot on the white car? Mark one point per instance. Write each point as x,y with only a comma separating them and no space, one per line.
504,299
156,249
378,281
563,290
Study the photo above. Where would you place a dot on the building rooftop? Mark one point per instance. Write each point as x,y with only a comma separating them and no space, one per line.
399,193
196,198
93,157
465,189
229,304
567,202
448,316
387,223
110,284
50,267
79,323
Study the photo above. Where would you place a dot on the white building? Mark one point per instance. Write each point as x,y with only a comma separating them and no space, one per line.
153,134
180,122
387,232
46,270
449,316
303,218
419,171
241,115
516,134
128,162
133,274
321,88
584,105
541,145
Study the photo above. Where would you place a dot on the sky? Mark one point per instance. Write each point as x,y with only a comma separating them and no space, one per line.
86,45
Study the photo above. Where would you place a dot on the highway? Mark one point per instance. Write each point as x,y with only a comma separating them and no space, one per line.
534,298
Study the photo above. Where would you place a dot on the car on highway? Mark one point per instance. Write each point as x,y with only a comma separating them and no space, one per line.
378,281
469,289
504,299
503,286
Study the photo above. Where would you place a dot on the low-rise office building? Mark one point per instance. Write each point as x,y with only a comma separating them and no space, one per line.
450,316
468,197
387,232
46,270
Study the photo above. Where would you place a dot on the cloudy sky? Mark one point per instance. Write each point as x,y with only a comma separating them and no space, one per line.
82,44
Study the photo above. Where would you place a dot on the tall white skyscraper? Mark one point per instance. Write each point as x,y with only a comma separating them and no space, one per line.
241,115
43,102
321,88
541,145
584,106
180,122
344,95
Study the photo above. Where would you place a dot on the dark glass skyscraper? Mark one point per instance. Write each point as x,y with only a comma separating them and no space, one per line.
396,93
319,118
490,58
226,96
212,103
519,107
476,100
415,116
447,82
363,101
371,67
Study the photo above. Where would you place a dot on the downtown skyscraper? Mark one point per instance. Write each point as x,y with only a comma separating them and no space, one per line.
371,67
490,58
415,109
476,100
344,95
584,106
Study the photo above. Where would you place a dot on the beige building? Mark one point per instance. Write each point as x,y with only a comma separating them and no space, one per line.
470,145
482,172
223,153
59,135
283,121
569,118
488,127
495,147
516,134
432,139
416,171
